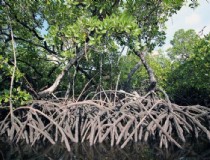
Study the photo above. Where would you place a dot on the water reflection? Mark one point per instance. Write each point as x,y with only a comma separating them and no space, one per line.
82,151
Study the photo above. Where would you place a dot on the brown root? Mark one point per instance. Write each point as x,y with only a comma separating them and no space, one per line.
126,117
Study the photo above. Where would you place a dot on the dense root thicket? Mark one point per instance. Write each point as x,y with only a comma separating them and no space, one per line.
118,116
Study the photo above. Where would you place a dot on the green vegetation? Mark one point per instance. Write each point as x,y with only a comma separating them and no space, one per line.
63,45
75,41
71,69
189,81
183,43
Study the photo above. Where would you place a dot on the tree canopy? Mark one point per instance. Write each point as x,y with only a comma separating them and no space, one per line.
182,44
63,45
188,82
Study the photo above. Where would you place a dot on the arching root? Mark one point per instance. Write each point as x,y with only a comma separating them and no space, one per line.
129,117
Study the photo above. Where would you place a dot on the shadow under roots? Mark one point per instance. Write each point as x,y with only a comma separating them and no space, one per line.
46,151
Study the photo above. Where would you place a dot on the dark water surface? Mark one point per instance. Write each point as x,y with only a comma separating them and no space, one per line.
82,151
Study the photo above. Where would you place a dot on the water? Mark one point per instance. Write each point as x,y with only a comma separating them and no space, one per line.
82,151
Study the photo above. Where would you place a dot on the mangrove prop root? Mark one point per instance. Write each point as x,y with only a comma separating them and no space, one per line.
127,117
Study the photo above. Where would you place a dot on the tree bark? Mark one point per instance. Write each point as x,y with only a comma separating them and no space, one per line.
152,79
60,76
127,86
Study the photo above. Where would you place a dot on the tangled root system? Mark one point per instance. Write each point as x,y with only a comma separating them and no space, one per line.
116,116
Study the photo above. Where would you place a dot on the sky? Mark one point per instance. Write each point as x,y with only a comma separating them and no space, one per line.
188,18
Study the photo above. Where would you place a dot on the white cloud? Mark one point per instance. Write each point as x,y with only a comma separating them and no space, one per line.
193,19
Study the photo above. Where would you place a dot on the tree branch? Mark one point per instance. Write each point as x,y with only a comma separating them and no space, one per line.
24,24
86,74
127,85
45,46
34,68
56,83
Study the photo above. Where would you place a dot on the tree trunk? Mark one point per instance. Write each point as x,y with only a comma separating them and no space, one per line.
127,85
152,79
60,76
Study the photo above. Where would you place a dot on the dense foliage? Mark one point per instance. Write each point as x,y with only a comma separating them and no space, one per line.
189,81
182,43
64,46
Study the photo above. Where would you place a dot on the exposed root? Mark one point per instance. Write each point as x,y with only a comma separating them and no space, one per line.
119,119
